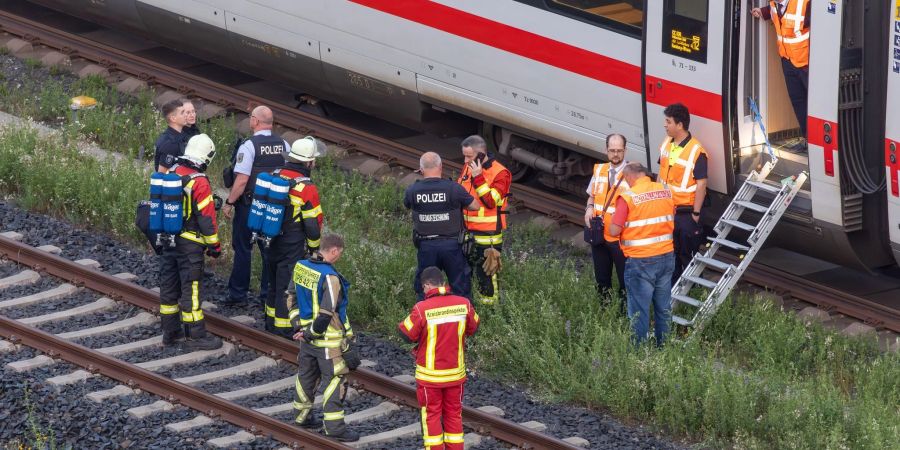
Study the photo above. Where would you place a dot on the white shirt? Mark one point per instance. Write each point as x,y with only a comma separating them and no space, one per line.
245,154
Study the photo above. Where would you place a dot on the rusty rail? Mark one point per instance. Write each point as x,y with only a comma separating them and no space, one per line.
238,333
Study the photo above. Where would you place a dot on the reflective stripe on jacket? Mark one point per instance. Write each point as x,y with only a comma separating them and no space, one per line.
792,30
485,219
676,169
601,189
651,220
199,209
319,286
439,325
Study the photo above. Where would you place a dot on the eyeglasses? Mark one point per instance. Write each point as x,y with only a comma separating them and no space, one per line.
615,150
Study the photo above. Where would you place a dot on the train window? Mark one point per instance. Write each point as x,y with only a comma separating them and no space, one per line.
629,13
685,29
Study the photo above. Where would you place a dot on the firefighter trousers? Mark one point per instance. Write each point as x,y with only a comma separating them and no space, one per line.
284,252
180,274
441,408
488,287
317,365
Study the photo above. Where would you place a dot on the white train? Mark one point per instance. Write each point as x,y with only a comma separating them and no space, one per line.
547,80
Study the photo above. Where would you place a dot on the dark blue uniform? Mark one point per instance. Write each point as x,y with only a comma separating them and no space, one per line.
169,146
437,223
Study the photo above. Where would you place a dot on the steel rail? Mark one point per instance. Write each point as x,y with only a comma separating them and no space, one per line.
167,388
275,347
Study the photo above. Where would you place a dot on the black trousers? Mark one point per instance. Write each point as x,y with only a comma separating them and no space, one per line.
796,80
239,282
315,365
447,255
688,238
283,253
606,256
488,287
180,274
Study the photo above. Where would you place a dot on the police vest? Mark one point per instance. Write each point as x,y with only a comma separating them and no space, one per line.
651,220
268,156
435,215
676,169
602,195
792,31
309,280
485,219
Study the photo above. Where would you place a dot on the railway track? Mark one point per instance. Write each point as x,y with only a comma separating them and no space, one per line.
145,376
559,209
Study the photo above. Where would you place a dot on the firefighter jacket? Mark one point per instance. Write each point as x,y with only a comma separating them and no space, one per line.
650,222
438,325
676,168
605,194
305,211
198,206
321,303
490,188
792,30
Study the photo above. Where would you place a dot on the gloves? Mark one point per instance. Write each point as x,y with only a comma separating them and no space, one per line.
492,263
351,357
214,252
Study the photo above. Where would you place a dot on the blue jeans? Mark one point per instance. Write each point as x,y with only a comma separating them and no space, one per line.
649,281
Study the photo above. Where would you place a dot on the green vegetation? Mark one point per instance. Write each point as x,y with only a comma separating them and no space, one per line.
757,377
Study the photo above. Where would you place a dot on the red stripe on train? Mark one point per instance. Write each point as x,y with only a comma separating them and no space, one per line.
548,51
824,134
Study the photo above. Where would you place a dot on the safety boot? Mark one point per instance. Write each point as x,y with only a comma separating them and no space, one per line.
171,338
347,435
208,342
311,422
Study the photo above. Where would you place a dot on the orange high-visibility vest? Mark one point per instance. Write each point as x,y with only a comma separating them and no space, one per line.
600,190
676,169
792,31
651,220
485,219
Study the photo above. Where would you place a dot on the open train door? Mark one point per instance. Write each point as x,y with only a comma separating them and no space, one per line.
684,47
892,129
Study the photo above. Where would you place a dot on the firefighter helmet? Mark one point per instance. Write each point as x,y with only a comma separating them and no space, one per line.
200,149
305,150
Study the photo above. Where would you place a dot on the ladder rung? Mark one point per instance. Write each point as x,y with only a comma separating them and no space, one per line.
764,186
729,244
751,205
682,321
685,299
713,263
739,224
701,281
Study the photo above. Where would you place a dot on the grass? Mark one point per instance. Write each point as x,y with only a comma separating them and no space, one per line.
756,378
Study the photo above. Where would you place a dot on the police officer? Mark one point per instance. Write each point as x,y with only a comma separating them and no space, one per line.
644,224
488,181
181,266
683,167
299,232
320,321
436,205
262,152
170,143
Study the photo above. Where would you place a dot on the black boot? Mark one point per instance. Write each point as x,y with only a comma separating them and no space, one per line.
347,435
172,338
199,339
311,422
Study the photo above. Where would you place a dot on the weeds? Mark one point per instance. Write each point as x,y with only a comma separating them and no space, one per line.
757,378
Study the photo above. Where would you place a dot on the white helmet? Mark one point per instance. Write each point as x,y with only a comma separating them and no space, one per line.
305,150
200,149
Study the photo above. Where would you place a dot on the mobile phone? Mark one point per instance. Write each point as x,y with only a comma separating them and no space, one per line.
480,157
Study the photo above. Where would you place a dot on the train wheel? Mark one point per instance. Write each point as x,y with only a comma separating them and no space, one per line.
493,136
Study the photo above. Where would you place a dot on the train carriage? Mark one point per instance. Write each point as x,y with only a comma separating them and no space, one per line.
547,80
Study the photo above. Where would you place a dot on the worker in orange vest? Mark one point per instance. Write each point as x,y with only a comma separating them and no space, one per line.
484,178
791,21
644,224
683,166
438,326
604,188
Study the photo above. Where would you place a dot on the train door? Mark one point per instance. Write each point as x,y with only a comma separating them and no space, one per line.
892,129
684,46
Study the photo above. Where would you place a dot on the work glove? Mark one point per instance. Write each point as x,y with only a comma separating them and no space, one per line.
492,263
215,251
351,357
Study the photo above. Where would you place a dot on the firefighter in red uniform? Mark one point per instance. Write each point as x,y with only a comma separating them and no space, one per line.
438,325
299,234
181,266
488,181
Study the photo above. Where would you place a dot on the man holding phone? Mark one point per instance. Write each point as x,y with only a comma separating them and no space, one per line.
484,178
